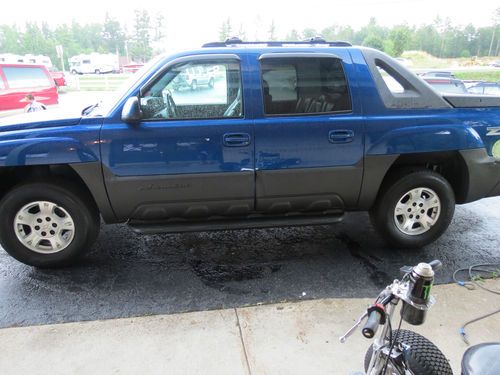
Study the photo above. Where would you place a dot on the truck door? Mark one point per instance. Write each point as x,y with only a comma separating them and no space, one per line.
309,137
191,155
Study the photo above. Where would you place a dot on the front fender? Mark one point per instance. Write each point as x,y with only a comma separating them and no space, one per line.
418,139
44,150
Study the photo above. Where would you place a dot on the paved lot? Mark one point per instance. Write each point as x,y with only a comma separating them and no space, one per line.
285,338
127,275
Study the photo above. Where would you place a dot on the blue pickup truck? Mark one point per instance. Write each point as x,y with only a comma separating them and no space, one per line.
288,133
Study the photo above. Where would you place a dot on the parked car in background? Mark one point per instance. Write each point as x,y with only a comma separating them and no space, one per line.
131,68
58,77
194,77
18,80
441,74
486,88
447,85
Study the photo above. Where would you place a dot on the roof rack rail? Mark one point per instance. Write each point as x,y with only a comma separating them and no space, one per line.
275,43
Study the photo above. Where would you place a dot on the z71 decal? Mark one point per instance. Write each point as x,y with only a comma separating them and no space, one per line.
493,131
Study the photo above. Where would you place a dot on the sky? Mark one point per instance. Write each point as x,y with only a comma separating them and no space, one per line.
192,23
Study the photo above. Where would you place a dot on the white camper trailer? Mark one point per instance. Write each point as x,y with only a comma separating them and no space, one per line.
10,58
94,63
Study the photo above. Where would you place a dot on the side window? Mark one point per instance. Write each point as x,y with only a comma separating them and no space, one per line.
304,85
25,77
195,90
393,80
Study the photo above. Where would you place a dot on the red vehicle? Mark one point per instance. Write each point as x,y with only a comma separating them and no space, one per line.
131,68
58,77
18,80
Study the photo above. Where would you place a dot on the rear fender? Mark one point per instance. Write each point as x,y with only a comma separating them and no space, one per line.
418,139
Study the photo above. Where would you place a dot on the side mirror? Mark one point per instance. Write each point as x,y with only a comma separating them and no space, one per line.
131,112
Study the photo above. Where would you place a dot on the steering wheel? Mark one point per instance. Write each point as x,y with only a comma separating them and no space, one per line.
171,108
168,108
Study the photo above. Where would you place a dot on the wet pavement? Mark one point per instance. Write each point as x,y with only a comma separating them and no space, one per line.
128,275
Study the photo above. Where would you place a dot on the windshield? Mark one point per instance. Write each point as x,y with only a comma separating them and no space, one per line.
102,108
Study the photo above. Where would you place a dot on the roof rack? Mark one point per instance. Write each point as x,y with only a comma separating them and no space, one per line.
274,43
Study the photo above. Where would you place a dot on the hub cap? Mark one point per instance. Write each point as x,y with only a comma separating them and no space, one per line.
417,211
44,227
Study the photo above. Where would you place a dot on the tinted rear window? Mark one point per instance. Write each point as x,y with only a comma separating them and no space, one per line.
295,85
19,77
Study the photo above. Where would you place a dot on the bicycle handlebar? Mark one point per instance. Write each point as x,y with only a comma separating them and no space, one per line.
371,325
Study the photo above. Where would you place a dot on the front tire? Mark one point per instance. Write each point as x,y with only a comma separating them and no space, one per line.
424,358
46,225
413,209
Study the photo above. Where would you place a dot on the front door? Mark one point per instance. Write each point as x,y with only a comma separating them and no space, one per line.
191,155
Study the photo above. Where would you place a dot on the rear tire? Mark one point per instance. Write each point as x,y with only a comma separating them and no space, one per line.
43,241
413,209
424,358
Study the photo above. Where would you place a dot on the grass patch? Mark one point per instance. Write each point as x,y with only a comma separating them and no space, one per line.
487,75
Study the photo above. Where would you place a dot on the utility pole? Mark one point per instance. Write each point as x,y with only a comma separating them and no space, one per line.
60,54
493,34
492,39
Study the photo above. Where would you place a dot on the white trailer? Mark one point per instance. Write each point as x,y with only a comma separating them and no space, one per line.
10,58
94,63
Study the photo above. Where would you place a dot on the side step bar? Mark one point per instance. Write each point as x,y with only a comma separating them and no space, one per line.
258,221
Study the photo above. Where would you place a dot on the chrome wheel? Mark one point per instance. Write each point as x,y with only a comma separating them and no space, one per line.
417,211
44,227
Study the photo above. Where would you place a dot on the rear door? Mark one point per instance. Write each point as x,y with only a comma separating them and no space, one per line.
309,137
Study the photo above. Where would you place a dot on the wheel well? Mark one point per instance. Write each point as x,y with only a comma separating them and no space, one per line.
12,176
450,165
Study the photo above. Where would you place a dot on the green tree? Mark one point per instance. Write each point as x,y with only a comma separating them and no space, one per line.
140,49
293,36
400,36
10,39
113,35
225,31
309,33
272,31
373,41
159,28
